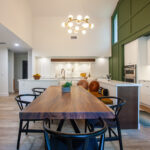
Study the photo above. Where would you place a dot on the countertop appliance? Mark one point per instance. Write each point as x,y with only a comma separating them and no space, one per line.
130,73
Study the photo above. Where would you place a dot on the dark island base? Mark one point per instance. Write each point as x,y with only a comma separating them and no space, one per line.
129,113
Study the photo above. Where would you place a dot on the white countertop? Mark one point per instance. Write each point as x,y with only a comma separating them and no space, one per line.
38,80
118,83
54,79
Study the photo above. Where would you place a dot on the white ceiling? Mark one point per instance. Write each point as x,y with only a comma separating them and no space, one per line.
55,8
6,36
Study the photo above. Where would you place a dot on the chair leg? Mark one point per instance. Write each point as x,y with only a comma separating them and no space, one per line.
85,129
27,128
102,142
119,135
60,125
109,131
19,134
49,124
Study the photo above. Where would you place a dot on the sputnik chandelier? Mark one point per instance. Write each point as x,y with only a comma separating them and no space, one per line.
76,25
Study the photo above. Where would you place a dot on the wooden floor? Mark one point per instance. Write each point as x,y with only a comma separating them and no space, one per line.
9,116
145,108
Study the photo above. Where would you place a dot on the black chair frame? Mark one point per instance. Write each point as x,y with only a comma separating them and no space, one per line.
25,128
70,136
117,108
38,91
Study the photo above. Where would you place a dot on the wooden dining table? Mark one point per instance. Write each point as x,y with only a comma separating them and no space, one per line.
54,104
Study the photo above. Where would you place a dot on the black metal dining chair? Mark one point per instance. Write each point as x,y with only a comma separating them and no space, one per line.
38,91
111,123
56,140
23,101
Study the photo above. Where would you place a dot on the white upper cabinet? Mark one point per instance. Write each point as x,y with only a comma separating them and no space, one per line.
131,53
135,52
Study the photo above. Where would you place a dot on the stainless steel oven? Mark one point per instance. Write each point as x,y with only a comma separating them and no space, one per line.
130,73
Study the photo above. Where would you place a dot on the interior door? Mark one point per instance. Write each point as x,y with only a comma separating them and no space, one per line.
24,69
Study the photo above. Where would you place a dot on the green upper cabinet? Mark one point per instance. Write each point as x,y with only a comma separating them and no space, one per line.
124,11
137,5
124,31
141,20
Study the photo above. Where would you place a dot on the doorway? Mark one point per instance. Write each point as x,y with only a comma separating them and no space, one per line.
24,69
20,68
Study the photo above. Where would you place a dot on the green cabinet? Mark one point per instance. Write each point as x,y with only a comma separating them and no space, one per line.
115,62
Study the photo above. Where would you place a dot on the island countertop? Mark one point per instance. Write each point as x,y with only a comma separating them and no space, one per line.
118,83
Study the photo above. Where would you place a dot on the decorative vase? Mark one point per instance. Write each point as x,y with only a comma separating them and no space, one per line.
66,89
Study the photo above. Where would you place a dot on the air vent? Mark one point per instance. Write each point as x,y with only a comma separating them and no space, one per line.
1,43
73,37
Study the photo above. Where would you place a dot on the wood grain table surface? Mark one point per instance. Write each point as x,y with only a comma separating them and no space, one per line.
78,104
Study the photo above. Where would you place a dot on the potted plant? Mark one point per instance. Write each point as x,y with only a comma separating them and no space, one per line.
66,87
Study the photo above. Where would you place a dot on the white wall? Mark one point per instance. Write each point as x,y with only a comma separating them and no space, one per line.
30,64
100,68
50,39
16,15
19,57
11,71
48,69
3,71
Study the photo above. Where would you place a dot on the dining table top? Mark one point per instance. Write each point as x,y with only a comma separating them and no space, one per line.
77,104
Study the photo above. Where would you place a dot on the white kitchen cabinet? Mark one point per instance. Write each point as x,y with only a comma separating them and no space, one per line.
131,53
145,93
135,52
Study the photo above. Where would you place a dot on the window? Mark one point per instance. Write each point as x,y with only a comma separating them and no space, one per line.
115,28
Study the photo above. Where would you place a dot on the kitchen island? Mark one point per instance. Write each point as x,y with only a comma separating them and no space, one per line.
129,115
26,85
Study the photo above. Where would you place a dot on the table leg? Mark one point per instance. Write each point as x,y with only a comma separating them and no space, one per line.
74,125
60,125
19,134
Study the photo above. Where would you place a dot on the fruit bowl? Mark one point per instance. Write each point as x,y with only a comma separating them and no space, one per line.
36,76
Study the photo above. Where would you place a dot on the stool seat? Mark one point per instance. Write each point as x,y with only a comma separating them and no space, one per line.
106,101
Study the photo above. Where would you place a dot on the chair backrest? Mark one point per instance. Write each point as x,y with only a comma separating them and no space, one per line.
116,107
38,91
71,140
24,100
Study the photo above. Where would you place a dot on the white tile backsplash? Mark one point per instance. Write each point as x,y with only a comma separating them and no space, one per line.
50,69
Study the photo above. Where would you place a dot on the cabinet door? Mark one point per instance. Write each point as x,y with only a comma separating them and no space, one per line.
131,53
145,93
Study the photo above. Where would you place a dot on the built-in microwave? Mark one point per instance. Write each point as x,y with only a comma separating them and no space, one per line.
130,73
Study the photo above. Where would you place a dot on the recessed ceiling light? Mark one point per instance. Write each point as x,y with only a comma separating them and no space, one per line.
16,44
